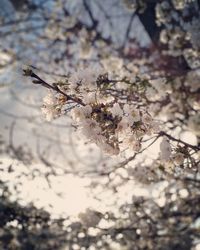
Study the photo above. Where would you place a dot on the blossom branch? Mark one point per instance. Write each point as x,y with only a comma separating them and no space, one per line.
195,148
54,87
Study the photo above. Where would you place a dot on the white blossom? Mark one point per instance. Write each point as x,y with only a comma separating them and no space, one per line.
155,126
79,113
87,75
116,110
108,149
193,29
193,79
103,98
127,108
165,150
112,64
90,129
147,119
87,110
89,98
178,158
122,125
161,88
132,143
136,146
51,107
84,79
132,113
152,94
50,99
194,124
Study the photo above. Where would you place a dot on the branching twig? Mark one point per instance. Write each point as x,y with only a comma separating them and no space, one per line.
195,148
29,72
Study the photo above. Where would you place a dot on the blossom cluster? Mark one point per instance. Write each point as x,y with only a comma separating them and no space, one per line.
119,113
52,106
175,99
169,156
109,121
108,113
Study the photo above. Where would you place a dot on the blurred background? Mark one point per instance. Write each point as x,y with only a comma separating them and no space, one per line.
55,188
